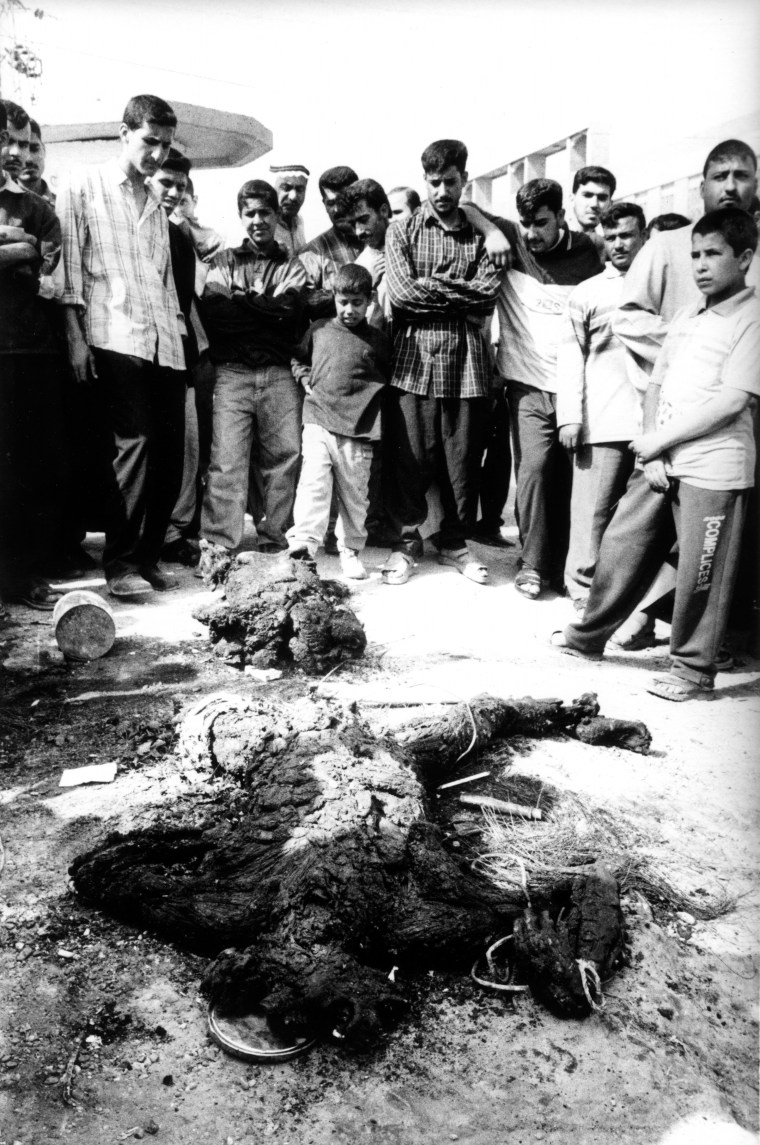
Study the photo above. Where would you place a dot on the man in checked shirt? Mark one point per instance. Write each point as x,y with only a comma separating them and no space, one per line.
124,328
442,289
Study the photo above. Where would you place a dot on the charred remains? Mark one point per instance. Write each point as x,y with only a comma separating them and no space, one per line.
322,866
278,612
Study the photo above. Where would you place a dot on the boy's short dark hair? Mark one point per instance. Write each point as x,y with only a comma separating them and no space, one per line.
15,115
148,109
176,161
336,179
594,175
353,279
35,129
413,200
730,149
617,211
738,228
442,154
258,189
366,191
670,221
538,193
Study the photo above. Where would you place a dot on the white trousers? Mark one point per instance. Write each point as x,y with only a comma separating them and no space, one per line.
327,459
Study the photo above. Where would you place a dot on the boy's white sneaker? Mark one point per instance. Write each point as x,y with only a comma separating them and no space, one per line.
351,566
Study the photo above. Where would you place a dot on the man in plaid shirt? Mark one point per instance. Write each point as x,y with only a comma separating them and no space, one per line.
124,328
443,290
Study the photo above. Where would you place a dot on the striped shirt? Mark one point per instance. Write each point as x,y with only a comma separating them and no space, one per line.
322,258
593,388
443,291
117,266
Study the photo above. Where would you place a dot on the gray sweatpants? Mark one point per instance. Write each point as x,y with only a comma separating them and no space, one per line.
708,524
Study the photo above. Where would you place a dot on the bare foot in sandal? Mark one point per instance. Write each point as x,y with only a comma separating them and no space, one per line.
672,687
529,584
465,563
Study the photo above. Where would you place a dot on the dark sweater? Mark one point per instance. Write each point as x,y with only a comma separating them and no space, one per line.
182,254
28,323
573,260
347,368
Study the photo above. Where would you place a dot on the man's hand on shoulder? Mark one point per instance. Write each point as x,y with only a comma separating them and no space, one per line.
498,249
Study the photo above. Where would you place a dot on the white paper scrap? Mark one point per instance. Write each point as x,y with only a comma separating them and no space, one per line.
95,773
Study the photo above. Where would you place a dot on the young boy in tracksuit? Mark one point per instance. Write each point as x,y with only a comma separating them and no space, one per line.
343,364
698,457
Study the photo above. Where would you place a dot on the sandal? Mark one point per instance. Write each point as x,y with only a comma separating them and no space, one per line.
529,584
558,640
672,687
38,595
633,637
397,569
465,563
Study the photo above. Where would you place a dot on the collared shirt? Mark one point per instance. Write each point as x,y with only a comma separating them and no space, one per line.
659,283
45,191
442,289
323,257
593,389
379,313
252,305
292,238
27,316
117,266
708,350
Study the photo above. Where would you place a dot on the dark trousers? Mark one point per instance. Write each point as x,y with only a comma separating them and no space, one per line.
543,476
144,410
33,465
429,439
708,526
496,469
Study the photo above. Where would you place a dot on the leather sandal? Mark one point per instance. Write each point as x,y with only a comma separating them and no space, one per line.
672,687
397,568
465,563
529,584
37,595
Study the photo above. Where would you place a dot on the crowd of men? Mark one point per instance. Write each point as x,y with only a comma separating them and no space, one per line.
157,385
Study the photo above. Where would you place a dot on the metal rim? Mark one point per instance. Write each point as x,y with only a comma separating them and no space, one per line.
240,1049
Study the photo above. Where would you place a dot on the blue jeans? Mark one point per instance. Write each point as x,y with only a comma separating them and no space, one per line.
262,404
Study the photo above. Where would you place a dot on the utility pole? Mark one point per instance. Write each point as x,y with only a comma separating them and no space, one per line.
20,64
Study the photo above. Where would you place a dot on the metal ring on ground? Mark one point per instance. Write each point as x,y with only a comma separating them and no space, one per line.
249,1037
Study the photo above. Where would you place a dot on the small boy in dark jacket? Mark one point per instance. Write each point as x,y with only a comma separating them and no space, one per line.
343,364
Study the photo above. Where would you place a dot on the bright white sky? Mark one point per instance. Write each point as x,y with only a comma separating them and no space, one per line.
371,82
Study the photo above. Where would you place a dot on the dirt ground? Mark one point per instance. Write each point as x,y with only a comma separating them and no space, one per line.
671,1059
